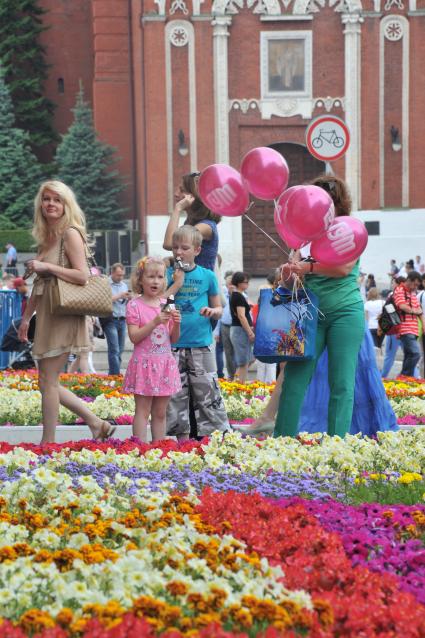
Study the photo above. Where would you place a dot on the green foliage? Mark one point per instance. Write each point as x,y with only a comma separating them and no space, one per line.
23,62
20,172
22,240
87,165
386,492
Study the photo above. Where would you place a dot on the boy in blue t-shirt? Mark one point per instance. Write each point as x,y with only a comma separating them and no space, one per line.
198,299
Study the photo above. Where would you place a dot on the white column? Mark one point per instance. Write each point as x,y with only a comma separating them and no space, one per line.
230,229
352,33
393,28
180,33
221,87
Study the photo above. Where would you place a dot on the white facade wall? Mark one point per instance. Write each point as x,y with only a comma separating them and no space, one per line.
402,237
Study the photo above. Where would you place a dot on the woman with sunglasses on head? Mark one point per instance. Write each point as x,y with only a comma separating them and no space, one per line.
340,329
372,410
198,215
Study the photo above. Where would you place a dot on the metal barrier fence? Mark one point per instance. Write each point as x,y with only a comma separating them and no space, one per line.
10,308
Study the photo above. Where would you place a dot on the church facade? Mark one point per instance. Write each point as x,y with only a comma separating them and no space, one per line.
177,85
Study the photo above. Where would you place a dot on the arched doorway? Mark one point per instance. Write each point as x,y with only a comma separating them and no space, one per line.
260,255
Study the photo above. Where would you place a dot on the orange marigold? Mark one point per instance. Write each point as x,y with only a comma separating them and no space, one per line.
64,617
324,611
177,588
7,553
35,620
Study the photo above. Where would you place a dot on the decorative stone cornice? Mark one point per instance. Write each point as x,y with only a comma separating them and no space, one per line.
274,7
244,105
329,103
286,107
352,21
270,8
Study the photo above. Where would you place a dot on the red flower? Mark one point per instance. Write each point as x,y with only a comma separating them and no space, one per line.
364,603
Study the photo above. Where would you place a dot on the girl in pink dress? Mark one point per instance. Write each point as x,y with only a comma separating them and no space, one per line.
152,374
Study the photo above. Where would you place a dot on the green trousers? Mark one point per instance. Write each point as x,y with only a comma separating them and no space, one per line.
341,331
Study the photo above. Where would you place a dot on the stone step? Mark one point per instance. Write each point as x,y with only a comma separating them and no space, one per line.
15,434
32,433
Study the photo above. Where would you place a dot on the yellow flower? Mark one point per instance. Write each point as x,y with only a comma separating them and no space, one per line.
409,477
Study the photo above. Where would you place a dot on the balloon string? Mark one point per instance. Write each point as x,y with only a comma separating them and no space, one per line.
266,234
299,283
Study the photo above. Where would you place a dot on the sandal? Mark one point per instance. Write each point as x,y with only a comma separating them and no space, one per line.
107,429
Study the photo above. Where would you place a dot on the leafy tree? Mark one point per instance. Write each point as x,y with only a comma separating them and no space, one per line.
23,60
87,165
20,173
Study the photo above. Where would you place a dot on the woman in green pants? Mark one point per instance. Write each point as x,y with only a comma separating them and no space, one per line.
340,329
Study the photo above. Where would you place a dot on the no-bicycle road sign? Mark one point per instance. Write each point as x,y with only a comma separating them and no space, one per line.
327,137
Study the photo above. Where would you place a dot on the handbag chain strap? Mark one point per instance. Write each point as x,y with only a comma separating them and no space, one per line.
90,258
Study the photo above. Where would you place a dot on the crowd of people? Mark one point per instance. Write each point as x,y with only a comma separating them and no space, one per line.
174,311
407,292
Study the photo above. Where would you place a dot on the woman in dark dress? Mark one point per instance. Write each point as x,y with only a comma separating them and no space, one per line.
241,331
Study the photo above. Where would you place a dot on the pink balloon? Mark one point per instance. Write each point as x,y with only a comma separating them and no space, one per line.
265,172
344,241
223,191
279,213
309,212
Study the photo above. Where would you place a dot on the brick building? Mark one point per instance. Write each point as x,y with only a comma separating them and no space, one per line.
180,84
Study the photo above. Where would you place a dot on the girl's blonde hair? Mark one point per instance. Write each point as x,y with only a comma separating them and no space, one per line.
372,294
142,265
73,215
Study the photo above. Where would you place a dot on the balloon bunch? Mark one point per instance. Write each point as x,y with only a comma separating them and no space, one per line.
224,190
302,214
305,214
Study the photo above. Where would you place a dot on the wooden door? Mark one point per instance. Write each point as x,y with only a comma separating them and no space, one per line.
260,254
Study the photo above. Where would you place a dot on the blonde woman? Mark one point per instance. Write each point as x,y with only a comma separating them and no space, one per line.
58,220
373,308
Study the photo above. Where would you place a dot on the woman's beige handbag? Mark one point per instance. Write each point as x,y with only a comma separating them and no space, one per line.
94,298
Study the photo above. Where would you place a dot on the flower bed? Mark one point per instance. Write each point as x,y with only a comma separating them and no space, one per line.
228,537
224,537
20,401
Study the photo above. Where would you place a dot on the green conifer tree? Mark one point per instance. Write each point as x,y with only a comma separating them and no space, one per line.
87,165
23,59
20,173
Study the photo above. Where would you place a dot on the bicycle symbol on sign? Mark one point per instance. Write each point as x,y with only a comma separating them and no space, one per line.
327,136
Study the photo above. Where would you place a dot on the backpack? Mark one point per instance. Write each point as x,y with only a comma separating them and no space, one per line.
389,319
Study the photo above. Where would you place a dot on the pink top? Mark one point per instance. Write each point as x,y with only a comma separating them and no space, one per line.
152,369
139,314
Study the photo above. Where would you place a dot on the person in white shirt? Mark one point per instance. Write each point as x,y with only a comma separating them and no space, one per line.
419,265
373,308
